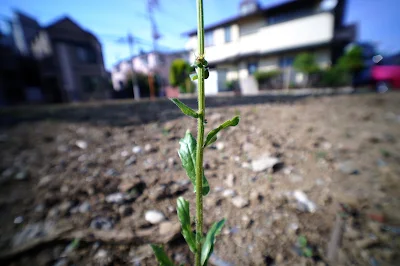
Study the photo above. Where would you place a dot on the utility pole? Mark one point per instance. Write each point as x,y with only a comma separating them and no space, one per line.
135,87
151,5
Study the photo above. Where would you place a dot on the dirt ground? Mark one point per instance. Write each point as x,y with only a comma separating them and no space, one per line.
74,188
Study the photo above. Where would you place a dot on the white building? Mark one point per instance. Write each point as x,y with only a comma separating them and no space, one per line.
145,63
263,39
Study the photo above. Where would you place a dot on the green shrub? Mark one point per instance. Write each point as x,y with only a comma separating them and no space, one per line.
352,60
179,76
305,63
231,84
264,76
334,77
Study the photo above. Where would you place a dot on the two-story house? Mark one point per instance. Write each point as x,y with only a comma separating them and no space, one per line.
71,63
145,63
263,39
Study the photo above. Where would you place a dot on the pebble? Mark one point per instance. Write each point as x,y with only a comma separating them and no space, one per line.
348,167
263,163
149,148
137,149
228,193
111,172
240,202
22,175
81,144
18,220
124,153
279,258
246,165
116,198
131,160
84,207
230,180
171,161
154,217
101,223
44,181
304,202
102,258
220,146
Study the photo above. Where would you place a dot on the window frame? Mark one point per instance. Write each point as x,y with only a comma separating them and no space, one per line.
226,30
209,35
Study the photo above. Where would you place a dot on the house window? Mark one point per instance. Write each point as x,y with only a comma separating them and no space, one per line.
282,17
228,34
86,54
252,67
209,38
286,61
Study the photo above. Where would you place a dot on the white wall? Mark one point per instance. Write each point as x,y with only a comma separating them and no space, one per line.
300,32
309,30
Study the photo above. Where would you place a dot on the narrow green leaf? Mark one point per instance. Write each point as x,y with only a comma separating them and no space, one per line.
161,256
184,218
187,153
184,108
208,246
212,135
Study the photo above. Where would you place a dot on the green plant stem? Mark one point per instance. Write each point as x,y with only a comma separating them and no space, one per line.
200,136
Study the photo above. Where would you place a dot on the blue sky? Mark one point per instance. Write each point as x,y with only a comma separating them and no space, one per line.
378,20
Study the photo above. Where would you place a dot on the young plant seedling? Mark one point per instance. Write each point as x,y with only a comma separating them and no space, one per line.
191,154
305,249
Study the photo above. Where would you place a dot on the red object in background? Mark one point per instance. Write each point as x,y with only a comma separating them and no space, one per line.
387,73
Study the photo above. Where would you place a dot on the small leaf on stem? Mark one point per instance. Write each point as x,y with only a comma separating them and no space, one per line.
209,241
162,257
187,153
184,218
212,135
193,77
184,108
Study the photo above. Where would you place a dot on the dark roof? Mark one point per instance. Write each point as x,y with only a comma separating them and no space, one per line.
25,18
67,19
275,8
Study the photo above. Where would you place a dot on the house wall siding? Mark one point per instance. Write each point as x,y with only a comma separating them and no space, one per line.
310,30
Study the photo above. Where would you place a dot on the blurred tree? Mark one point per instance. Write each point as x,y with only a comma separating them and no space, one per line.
306,63
179,76
352,60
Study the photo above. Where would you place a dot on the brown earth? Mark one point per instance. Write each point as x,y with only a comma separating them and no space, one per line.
342,152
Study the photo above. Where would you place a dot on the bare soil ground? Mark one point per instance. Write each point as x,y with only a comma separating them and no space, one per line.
75,185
